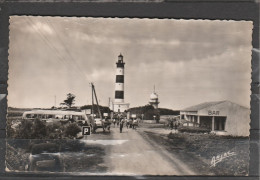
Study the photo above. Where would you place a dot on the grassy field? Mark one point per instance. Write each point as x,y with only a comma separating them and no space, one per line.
197,150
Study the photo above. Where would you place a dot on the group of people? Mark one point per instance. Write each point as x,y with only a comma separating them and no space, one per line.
130,123
173,124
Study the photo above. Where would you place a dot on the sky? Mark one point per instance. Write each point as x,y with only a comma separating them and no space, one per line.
188,61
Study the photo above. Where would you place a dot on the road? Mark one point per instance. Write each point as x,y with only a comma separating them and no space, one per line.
129,153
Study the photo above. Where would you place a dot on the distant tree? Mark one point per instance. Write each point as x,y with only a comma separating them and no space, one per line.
69,101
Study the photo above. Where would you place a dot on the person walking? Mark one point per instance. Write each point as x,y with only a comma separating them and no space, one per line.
127,123
171,124
121,125
114,122
117,122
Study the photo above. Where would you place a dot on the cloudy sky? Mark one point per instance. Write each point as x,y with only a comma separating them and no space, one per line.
188,61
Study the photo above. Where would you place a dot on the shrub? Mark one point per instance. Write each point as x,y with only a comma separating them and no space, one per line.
44,147
54,131
191,129
72,130
25,130
39,129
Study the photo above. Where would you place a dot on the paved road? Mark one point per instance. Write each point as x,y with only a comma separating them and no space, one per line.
128,153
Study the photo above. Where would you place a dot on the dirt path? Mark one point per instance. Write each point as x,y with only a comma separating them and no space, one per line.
135,156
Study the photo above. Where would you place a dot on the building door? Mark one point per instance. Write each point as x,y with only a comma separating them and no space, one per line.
220,123
206,121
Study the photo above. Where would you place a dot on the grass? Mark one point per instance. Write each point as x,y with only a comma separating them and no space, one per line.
197,151
207,146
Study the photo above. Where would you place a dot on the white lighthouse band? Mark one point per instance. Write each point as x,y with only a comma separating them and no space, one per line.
120,71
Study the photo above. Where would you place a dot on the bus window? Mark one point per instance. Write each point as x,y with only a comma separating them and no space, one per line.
34,116
40,116
50,116
82,118
75,117
28,116
58,116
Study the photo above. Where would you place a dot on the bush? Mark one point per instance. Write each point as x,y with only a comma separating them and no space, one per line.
39,129
54,131
191,129
72,130
25,130
44,147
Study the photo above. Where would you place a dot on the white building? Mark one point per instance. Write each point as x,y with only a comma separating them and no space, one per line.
154,99
222,117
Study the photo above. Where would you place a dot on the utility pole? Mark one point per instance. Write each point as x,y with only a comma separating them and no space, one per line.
92,107
94,92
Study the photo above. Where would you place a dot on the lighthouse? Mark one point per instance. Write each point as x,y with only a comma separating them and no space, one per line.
119,105
119,87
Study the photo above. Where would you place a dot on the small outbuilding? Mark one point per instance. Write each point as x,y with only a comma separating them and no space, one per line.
221,117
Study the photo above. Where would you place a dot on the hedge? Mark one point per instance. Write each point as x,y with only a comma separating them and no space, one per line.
191,129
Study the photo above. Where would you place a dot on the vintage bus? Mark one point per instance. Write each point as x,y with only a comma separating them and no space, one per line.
63,116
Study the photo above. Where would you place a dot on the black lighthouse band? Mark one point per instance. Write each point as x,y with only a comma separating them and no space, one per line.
119,94
119,78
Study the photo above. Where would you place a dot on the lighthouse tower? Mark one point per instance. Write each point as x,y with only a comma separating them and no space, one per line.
119,105
119,88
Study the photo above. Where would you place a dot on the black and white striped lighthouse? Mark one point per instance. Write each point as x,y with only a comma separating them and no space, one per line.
119,87
119,105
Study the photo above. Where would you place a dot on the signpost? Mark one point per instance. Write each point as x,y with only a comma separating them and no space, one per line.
85,130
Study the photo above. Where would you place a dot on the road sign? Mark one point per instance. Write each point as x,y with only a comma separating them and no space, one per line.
85,130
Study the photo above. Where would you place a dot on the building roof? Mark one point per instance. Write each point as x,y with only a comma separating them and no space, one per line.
202,105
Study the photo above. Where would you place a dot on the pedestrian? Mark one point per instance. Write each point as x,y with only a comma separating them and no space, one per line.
121,125
117,122
175,127
171,124
134,124
114,122
127,123
131,123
